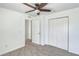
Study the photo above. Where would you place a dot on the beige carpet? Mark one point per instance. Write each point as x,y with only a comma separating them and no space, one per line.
32,49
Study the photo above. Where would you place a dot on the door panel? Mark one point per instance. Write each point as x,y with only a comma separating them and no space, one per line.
52,33
58,33
36,31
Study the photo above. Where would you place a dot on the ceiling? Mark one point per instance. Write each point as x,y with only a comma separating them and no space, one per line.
55,7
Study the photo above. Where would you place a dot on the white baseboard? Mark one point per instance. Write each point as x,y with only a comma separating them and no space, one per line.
12,49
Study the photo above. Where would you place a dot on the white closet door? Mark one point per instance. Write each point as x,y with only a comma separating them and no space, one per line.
36,31
58,33
52,33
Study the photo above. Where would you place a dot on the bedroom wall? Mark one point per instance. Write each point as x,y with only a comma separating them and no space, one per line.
12,30
73,15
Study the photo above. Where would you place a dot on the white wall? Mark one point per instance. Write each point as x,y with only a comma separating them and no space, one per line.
73,27
12,30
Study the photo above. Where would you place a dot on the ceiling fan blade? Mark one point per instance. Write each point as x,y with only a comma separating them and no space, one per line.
29,5
37,4
29,11
42,5
46,10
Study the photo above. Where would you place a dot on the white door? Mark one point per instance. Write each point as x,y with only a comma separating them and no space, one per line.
58,33
36,31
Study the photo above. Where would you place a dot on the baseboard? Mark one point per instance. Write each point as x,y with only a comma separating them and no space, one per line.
12,50
74,53
62,49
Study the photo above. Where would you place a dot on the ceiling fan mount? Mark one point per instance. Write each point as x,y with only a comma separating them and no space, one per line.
37,8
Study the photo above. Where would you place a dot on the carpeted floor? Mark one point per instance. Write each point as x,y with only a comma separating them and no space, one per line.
32,49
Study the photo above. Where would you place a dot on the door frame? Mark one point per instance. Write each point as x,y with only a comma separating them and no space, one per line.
31,29
68,29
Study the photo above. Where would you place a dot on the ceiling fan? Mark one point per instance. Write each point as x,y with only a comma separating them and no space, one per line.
37,8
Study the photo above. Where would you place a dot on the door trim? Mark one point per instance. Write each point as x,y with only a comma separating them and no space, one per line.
68,28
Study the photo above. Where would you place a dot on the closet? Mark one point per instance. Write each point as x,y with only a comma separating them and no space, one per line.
58,32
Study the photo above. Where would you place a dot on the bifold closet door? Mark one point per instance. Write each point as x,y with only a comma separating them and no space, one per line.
36,31
58,33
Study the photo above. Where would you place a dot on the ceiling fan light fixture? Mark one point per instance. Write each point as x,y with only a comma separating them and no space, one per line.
37,11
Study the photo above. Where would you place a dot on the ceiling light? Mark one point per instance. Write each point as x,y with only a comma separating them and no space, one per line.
37,11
